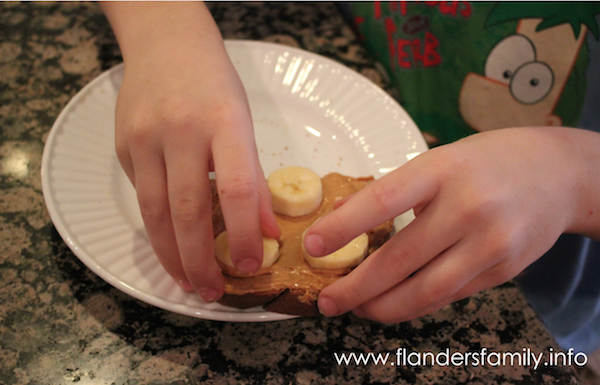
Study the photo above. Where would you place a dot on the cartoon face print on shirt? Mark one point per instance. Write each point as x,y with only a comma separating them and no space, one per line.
513,63
523,78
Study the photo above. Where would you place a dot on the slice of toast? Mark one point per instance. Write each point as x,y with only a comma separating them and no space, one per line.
291,286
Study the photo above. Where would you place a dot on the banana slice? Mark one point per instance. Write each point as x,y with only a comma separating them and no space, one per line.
295,191
347,257
270,250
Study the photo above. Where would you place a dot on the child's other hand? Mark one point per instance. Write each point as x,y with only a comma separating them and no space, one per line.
486,207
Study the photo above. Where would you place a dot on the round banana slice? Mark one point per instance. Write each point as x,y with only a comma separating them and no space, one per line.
295,191
270,250
348,256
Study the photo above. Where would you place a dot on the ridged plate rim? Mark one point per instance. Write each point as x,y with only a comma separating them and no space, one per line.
262,66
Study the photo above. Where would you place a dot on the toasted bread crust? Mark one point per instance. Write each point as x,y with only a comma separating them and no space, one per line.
289,302
249,300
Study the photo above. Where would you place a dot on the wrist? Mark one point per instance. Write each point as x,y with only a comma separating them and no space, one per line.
154,29
586,220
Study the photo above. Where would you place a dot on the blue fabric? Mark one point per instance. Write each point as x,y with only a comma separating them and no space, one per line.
563,286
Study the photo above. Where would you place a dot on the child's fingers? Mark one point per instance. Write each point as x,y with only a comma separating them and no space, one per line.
379,201
434,285
268,223
408,251
153,199
191,213
237,174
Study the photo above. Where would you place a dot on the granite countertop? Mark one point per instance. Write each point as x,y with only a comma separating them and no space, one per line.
60,323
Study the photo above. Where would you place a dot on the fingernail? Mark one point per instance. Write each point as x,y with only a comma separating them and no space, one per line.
248,265
314,245
185,285
327,307
208,294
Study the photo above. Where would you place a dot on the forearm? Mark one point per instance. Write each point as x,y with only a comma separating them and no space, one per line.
165,26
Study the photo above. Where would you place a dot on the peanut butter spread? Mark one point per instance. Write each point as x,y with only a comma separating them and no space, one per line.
291,271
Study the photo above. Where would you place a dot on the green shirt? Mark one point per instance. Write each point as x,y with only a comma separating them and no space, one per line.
463,67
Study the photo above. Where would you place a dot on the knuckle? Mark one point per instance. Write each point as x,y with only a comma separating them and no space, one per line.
443,162
397,263
140,133
179,112
451,158
501,244
151,211
384,196
510,271
224,114
185,211
195,272
434,295
239,188
197,275
339,228
244,245
203,274
388,317
228,111
351,297
175,116
504,271
385,314
482,207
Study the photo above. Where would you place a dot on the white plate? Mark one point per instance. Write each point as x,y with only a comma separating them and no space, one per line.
307,110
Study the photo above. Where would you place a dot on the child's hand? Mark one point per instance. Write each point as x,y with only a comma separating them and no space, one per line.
486,207
182,111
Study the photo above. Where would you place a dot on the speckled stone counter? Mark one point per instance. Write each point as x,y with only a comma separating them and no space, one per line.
60,323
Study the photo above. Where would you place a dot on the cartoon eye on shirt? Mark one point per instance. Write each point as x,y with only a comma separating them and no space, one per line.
523,78
513,62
